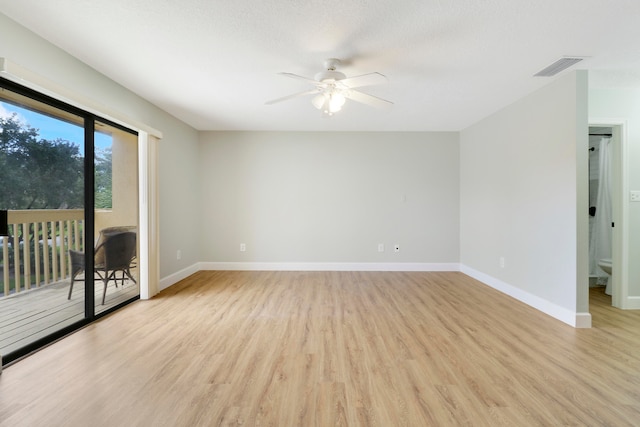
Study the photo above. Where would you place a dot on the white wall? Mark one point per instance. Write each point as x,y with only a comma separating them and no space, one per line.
179,186
179,181
523,187
324,197
623,105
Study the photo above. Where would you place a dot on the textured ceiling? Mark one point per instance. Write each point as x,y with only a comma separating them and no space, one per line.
450,63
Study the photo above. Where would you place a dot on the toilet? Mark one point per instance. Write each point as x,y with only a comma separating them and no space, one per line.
605,264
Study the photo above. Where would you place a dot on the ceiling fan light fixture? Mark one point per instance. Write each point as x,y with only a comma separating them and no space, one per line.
318,101
332,88
329,76
336,101
330,101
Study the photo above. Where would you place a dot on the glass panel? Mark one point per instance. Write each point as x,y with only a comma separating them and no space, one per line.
42,187
116,216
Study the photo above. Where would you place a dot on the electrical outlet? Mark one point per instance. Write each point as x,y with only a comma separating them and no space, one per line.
396,248
501,262
179,254
634,196
380,247
243,247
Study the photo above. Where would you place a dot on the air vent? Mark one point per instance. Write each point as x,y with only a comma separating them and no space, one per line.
560,65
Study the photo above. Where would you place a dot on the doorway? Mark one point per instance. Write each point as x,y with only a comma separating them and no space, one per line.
607,224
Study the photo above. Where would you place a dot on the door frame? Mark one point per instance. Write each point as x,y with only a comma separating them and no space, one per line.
148,139
620,210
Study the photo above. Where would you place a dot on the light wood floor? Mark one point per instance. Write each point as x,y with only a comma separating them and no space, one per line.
332,349
28,316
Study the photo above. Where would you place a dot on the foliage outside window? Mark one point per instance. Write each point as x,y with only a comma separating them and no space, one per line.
103,179
37,173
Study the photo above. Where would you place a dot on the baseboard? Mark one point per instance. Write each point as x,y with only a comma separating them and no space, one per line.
174,278
577,320
329,266
583,320
632,303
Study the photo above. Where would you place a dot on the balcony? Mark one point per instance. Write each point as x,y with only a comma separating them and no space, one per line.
35,272
35,253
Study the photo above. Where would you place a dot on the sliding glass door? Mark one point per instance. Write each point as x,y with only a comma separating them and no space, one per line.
115,215
68,185
42,190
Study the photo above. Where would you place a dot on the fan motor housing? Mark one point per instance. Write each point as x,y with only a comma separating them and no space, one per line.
329,75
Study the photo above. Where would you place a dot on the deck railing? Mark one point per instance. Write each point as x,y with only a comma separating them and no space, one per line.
36,251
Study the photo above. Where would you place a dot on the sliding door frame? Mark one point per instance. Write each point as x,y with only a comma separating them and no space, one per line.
146,216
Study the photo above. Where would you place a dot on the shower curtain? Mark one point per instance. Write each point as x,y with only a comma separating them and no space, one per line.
600,239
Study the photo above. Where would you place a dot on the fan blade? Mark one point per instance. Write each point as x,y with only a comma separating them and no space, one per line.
295,95
304,79
370,79
365,98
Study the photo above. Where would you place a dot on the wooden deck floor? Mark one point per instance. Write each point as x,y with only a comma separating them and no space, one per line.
31,315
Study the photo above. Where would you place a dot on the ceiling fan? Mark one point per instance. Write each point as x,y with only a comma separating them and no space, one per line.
332,88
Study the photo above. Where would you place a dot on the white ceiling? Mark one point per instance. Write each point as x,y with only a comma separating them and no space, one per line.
450,63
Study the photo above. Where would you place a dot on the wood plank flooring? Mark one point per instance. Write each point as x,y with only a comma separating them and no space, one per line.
332,349
27,316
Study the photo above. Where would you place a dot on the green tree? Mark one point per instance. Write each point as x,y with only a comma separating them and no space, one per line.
36,173
103,179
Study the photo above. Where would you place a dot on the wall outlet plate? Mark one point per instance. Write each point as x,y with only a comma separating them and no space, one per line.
634,196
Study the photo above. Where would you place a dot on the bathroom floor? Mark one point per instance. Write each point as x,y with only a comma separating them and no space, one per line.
598,297
604,315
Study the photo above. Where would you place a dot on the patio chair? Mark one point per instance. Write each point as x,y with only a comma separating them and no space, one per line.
77,267
115,254
105,233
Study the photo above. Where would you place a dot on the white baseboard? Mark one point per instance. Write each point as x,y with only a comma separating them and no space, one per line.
577,320
174,278
329,266
632,303
583,320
